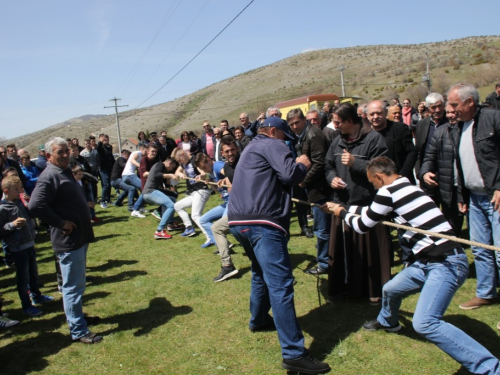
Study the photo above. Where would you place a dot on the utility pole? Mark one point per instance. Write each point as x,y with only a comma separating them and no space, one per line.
342,80
117,122
427,77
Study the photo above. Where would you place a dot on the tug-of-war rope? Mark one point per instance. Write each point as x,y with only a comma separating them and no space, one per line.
390,224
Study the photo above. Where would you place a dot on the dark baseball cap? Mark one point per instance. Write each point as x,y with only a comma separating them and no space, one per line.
278,123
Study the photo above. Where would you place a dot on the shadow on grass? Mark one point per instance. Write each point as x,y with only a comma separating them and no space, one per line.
158,313
26,356
100,238
122,276
299,258
111,263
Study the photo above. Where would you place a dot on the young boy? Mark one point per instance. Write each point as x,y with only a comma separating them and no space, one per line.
18,234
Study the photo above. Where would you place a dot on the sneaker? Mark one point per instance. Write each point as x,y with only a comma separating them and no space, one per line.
104,205
137,214
225,273
174,226
41,299
307,232
476,303
90,338
316,271
162,235
189,232
374,325
7,323
156,214
305,365
95,220
310,218
32,311
142,210
208,243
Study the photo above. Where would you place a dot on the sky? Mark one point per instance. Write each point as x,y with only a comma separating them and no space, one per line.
61,59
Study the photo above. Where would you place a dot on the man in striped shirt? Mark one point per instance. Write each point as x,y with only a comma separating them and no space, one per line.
441,265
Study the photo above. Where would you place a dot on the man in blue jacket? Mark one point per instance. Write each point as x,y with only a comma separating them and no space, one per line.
259,218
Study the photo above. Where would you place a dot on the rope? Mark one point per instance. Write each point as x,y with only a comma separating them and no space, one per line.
421,231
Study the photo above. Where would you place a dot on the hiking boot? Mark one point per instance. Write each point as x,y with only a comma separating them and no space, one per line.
189,232
32,311
162,234
374,325
316,271
476,303
7,323
41,299
225,273
89,338
306,365
136,213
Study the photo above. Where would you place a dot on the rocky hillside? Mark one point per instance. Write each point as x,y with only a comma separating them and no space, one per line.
371,72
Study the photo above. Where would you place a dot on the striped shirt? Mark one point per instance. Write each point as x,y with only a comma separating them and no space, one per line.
407,205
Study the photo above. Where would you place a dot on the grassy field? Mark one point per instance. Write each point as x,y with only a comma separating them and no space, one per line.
161,313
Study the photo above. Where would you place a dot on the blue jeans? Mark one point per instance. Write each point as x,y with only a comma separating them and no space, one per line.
437,283
106,187
73,273
209,217
167,203
484,228
133,180
321,229
127,190
272,284
26,275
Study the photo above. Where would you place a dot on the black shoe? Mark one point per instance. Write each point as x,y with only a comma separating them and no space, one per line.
307,232
225,273
374,325
316,271
265,328
90,338
305,365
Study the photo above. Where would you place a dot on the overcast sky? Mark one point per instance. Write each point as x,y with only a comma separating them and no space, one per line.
61,59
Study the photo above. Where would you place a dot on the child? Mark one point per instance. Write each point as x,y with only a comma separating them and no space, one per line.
18,234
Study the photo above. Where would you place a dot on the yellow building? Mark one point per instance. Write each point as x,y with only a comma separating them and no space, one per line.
307,103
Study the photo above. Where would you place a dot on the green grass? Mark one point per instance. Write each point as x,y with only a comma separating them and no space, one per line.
162,314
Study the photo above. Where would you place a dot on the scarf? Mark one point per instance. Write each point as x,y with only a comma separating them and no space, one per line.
407,115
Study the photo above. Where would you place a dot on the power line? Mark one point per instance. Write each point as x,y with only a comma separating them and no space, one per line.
190,61
162,25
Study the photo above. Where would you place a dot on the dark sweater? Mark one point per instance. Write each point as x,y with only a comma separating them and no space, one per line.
58,197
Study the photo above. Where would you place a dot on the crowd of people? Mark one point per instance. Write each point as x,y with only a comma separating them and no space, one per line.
348,166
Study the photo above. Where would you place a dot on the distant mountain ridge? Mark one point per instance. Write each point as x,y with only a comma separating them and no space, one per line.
370,72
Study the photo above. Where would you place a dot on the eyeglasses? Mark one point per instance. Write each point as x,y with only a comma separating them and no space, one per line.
206,126
243,119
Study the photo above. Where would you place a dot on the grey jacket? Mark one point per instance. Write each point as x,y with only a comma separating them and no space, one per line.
16,239
58,197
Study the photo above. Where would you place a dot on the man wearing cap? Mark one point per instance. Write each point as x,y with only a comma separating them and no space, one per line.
259,218
41,162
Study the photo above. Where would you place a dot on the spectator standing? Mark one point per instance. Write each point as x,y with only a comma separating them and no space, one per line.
408,111
208,140
493,100
106,162
41,161
59,201
30,171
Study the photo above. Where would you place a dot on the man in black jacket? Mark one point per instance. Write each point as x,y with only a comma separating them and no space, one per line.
400,148
106,160
312,142
493,100
439,169
424,131
479,189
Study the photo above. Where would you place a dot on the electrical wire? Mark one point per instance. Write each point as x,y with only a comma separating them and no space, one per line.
195,56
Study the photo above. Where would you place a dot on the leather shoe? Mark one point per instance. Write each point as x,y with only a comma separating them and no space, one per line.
90,338
316,271
305,365
307,232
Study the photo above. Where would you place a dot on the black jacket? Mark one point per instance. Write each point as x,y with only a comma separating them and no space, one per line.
441,158
315,146
493,100
359,191
106,158
400,147
486,141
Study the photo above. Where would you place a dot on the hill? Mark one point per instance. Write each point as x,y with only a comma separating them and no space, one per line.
371,72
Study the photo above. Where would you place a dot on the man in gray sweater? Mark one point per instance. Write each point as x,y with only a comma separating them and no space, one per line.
59,201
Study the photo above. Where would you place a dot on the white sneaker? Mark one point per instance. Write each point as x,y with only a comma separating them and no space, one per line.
104,205
137,214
